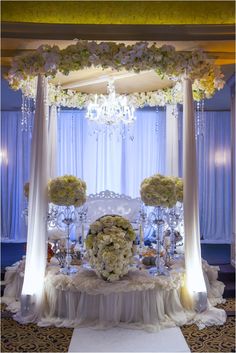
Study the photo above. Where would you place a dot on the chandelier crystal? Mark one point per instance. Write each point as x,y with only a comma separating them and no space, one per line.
110,109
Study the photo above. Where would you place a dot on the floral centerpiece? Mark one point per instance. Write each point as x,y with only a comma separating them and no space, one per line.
67,190
159,190
110,246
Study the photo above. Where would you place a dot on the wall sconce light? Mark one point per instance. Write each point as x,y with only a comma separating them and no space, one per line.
3,157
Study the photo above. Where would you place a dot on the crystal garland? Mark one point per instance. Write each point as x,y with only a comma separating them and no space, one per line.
199,119
27,112
157,122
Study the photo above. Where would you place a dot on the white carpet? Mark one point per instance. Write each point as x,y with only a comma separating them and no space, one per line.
124,340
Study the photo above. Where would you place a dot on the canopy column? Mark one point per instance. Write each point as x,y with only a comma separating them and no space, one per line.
194,293
36,253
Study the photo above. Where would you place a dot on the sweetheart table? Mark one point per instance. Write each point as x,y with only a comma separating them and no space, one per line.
138,300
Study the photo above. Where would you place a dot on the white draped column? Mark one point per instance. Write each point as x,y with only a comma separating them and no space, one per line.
36,253
194,284
172,142
52,143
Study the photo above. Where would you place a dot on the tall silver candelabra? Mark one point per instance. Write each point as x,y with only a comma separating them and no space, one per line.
174,217
157,221
63,218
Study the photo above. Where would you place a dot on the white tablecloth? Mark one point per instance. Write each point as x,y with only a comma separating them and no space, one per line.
138,300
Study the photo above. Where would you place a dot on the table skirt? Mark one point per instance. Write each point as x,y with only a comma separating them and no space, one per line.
136,301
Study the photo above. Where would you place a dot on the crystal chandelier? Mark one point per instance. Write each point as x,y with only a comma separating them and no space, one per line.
110,109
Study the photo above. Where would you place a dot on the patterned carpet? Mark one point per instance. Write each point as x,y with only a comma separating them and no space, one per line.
31,338
215,338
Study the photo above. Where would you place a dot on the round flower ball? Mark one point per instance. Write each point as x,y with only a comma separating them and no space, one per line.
67,190
110,247
158,190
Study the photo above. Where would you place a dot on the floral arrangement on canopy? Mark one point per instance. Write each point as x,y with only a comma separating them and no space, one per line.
165,60
67,190
159,190
110,246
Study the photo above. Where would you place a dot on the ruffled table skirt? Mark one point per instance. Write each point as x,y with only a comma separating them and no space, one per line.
136,301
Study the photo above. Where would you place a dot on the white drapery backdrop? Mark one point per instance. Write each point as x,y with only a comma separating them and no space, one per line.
213,166
52,142
172,141
15,150
108,161
214,174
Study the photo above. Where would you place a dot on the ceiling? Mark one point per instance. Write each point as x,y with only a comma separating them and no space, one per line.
217,40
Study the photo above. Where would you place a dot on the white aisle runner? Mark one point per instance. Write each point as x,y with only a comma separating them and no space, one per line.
126,340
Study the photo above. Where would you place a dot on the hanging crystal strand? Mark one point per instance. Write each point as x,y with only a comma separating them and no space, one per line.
26,113
179,126
197,120
22,122
31,115
157,121
58,110
202,118
175,111
130,131
111,129
73,128
57,101
46,101
122,131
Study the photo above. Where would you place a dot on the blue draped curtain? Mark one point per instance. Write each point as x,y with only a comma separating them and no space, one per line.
15,152
109,161
214,157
